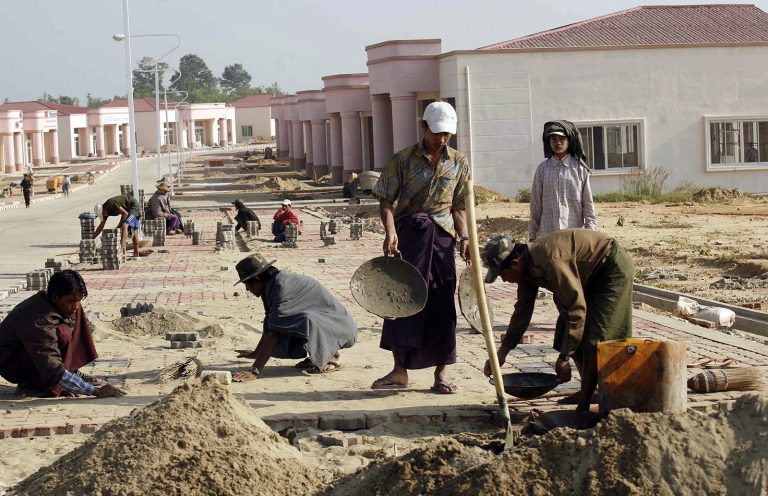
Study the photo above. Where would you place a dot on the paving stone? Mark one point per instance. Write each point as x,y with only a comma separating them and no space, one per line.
337,438
182,336
374,419
344,422
175,345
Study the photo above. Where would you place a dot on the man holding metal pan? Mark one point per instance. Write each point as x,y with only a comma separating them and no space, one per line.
590,275
421,203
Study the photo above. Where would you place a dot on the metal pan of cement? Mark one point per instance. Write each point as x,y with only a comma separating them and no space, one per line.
528,385
468,302
389,287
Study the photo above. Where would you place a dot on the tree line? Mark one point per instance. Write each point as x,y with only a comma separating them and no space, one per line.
192,78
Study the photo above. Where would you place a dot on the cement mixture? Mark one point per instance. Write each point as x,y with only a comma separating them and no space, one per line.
158,323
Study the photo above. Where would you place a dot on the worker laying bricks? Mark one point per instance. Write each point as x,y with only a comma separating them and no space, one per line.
46,339
285,215
244,214
160,209
591,276
302,319
127,207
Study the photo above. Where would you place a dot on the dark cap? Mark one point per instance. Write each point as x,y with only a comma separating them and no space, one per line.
495,252
251,266
238,203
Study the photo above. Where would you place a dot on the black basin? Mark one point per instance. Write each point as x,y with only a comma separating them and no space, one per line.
528,385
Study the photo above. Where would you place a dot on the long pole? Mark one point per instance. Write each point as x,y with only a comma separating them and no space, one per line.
157,119
131,116
167,139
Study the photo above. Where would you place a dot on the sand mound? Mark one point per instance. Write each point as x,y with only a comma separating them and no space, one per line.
485,195
717,194
199,440
158,323
625,454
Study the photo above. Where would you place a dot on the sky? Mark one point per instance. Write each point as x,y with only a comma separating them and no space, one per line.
65,47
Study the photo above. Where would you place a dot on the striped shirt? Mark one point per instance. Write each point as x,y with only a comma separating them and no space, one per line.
413,186
561,197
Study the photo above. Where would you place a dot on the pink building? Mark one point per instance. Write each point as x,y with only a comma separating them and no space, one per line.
34,139
254,117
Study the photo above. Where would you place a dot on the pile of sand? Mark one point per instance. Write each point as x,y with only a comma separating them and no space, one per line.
625,454
199,440
717,194
158,323
486,195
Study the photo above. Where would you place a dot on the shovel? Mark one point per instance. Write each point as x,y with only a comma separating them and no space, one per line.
482,303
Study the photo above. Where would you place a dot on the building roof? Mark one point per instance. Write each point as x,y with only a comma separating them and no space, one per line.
263,100
41,105
657,25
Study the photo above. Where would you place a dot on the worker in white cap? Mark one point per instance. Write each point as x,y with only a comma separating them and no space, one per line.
421,203
285,215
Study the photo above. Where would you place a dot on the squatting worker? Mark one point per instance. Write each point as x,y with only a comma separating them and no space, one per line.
46,339
589,274
160,209
302,319
244,215
127,207
421,203
285,215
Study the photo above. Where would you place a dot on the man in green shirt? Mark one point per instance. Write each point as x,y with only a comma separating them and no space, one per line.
129,210
591,276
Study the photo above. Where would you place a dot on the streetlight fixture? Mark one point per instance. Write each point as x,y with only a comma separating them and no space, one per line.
121,37
129,85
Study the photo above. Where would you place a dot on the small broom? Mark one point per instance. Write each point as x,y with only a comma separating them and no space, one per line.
718,380
183,369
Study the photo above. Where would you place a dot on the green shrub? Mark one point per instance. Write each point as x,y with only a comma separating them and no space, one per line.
523,195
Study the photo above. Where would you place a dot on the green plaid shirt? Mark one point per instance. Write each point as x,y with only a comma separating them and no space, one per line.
412,186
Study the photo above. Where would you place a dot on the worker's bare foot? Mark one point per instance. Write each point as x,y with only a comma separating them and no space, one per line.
244,376
246,354
393,379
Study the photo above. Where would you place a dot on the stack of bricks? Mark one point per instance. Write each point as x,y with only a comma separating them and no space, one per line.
252,228
56,265
181,340
37,280
112,257
156,229
225,236
323,229
90,251
87,225
356,230
197,237
158,237
132,309
291,236
141,197
189,227
333,227
126,189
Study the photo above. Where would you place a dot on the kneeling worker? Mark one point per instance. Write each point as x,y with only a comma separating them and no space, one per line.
46,339
302,319
589,273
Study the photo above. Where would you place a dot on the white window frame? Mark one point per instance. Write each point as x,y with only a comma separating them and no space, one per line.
708,120
641,152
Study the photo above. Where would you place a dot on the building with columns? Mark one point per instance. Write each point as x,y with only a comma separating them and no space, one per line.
33,141
254,117
639,84
12,157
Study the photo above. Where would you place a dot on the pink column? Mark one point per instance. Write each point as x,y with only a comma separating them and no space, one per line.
222,132
18,150
54,137
285,137
403,121
125,130
289,151
352,143
308,147
225,136
337,164
382,131
115,138
38,154
191,134
100,141
299,158
319,152
8,155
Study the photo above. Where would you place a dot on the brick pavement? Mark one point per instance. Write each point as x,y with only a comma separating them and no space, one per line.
190,278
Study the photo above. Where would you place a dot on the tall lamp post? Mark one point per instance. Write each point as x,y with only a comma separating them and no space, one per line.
129,84
126,37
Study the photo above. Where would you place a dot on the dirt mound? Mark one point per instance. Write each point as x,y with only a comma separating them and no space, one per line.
627,453
485,195
158,323
198,440
717,194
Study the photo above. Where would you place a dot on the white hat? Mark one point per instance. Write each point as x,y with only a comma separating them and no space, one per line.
440,117
558,133
98,210
286,202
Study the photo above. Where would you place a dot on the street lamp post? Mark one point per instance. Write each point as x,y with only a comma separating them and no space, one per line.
131,116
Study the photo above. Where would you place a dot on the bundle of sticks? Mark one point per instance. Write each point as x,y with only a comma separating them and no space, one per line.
183,369
718,380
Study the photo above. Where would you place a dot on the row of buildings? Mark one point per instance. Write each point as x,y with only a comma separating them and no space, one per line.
40,132
683,88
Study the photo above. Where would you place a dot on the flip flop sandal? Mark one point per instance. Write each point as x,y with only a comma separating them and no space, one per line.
384,383
305,364
331,367
443,387
700,362
726,363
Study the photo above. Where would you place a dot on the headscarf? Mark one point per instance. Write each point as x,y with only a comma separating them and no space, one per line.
575,147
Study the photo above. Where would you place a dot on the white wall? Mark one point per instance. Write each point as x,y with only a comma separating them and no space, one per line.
670,90
259,118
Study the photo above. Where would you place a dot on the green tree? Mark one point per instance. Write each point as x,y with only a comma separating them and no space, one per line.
94,101
235,79
144,77
62,99
196,78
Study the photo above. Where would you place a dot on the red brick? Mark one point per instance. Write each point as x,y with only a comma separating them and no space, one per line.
43,431
421,418
22,432
64,429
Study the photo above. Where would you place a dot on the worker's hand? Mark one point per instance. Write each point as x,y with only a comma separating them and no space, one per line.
464,250
502,355
563,370
390,244
108,391
244,376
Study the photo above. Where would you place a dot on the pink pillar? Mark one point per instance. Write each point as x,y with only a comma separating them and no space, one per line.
222,132
299,158
225,138
8,155
54,137
289,151
382,131
308,147
115,139
285,136
125,130
100,141
191,134
337,164
18,150
319,152
38,154
352,143
403,121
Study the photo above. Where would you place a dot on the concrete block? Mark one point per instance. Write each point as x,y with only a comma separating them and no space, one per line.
182,336
421,418
175,345
372,420
223,376
350,422
88,428
336,438
277,423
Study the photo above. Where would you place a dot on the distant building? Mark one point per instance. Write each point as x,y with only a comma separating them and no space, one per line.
254,117
36,132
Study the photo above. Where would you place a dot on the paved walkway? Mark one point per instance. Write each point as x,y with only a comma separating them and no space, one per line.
199,281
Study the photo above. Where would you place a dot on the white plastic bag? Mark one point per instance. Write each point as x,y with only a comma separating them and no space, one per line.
686,307
722,317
